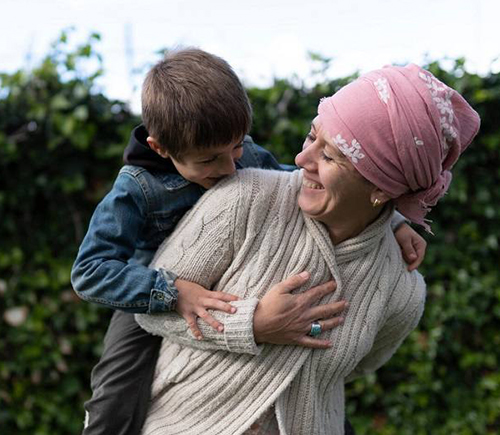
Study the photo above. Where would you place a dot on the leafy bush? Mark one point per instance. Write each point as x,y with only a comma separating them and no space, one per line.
60,148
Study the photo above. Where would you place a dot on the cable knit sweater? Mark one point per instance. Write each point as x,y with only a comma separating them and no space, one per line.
244,236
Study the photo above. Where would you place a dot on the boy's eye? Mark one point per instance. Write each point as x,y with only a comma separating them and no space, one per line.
214,158
206,162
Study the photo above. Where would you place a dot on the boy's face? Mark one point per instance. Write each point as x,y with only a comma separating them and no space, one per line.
205,167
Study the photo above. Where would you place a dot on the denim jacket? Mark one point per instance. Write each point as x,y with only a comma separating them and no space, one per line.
141,210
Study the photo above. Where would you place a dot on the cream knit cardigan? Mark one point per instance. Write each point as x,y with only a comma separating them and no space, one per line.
244,236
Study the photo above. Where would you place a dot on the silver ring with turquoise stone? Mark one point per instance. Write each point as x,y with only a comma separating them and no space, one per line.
315,329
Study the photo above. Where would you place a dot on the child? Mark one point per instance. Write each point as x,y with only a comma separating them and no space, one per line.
196,116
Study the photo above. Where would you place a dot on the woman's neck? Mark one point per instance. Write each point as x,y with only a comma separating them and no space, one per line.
347,226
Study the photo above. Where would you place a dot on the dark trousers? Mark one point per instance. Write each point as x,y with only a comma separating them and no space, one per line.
121,380
348,429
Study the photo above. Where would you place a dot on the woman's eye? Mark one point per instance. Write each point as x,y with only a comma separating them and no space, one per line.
326,158
310,137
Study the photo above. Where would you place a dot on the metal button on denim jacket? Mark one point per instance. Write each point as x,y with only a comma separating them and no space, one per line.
128,225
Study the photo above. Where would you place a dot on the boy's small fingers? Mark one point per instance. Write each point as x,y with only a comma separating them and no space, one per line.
418,258
420,248
209,320
227,297
193,326
409,251
414,265
215,304
197,333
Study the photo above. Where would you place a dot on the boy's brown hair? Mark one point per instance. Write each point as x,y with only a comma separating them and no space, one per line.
193,100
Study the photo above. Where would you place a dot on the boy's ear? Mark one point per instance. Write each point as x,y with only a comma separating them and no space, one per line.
380,195
155,146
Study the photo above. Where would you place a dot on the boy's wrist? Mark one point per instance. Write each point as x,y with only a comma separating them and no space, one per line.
397,220
164,295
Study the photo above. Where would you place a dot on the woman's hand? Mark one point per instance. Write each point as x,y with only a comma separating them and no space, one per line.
285,318
412,245
194,301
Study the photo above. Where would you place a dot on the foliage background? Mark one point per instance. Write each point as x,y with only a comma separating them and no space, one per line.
61,142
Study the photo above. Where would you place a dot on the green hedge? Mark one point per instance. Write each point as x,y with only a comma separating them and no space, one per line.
60,148
61,142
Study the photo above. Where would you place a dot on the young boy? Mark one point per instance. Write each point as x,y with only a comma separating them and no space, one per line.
196,116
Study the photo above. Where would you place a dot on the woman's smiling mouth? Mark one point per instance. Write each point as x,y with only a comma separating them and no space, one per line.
311,184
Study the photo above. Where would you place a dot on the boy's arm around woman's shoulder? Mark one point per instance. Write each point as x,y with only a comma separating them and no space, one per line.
102,272
200,250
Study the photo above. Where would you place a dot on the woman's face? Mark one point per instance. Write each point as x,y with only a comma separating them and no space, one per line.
332,189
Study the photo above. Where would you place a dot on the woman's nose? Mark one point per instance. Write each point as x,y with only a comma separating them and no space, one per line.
305,159
299,159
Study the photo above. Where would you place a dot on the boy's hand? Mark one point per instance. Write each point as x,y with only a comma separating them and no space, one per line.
412,245
285,318
194,301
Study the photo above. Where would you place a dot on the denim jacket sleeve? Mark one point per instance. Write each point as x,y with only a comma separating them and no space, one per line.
201,250
103,273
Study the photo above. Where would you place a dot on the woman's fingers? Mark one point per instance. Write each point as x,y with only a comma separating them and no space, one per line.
327,311
291,283
319,292
328,324
315,343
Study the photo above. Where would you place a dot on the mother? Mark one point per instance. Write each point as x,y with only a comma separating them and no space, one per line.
387,140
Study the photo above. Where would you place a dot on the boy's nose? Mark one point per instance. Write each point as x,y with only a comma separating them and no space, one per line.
228,167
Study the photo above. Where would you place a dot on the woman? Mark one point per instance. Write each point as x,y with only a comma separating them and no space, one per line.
385,141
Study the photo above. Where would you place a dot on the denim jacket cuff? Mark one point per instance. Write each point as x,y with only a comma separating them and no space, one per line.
164,295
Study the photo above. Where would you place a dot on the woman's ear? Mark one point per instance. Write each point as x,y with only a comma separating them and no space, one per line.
378,197
155,146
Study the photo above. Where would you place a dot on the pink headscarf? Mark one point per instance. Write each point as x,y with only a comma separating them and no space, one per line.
403,130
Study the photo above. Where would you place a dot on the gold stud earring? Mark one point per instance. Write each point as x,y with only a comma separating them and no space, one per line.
376,202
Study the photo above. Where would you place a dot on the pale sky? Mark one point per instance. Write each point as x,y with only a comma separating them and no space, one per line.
261,39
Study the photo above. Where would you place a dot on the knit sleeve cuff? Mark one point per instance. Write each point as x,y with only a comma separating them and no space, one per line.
238,328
